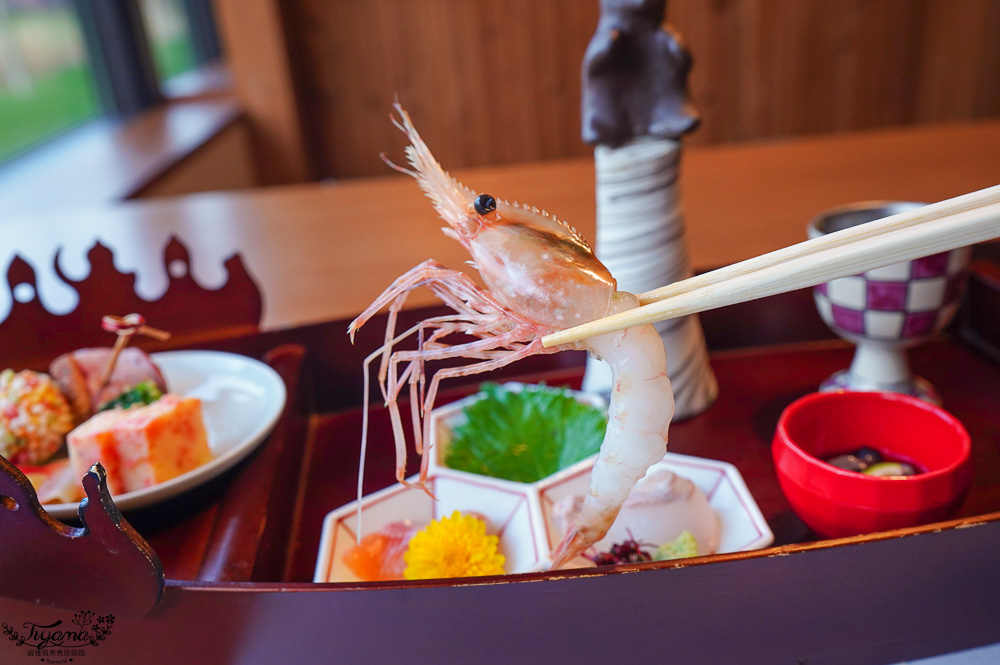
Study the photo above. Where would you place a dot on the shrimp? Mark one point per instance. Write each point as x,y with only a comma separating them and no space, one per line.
541,276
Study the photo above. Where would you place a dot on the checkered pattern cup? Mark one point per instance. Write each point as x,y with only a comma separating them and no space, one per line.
885,310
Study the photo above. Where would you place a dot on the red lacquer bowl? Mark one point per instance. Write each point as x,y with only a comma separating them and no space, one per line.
837,503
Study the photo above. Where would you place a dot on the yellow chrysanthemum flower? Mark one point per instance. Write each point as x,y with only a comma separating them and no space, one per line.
455,546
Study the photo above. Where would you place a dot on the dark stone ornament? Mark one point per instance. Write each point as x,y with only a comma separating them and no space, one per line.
635,76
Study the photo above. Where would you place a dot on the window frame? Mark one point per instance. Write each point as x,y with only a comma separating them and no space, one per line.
118,45
116,153
204,31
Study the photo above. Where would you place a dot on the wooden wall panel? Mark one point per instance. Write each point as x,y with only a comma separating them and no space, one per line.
497,81
491,81
255,39
767,68
961,73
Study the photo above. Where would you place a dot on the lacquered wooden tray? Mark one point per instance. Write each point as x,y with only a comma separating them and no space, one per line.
238,552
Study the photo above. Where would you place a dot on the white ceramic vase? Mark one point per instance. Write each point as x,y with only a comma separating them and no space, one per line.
640,238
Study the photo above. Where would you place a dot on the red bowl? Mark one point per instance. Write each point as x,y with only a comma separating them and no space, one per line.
836,503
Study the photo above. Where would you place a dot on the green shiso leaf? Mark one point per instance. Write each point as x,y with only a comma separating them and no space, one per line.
526,435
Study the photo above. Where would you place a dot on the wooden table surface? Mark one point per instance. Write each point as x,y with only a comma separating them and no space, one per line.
323,251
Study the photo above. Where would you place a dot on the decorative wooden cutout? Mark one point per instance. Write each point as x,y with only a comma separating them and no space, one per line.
31,335
105,566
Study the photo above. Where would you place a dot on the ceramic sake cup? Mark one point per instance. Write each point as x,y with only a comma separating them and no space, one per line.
886,310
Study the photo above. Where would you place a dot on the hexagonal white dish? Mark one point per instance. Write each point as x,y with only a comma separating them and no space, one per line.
521,513
510,509
445,418
742,525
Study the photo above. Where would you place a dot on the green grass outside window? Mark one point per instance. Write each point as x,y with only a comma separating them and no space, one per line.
56,102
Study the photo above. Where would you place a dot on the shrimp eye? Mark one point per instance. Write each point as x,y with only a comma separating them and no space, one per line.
485,204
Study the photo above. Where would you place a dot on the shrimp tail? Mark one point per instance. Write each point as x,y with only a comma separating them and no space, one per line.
571,546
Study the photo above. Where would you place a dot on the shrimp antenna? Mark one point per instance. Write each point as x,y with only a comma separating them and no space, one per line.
396,167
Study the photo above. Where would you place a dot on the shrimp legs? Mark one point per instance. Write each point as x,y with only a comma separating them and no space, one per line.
502,337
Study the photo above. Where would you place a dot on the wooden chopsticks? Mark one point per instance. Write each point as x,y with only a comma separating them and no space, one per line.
938,227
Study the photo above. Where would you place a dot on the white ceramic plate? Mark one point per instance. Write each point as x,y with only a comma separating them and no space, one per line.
241,400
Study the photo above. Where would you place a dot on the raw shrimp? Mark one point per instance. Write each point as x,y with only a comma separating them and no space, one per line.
541,276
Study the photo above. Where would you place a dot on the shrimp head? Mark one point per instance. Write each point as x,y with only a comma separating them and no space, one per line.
533,263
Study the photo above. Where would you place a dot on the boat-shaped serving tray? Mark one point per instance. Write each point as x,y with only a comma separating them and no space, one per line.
238,552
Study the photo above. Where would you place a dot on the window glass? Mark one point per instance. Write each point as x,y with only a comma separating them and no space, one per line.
169,36
46,80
